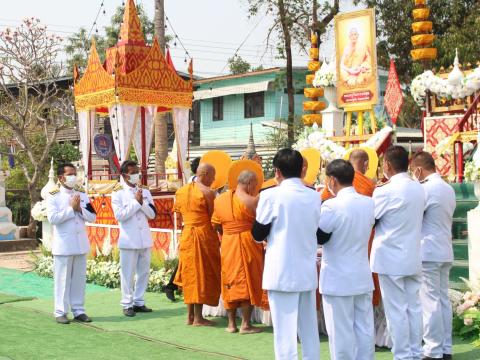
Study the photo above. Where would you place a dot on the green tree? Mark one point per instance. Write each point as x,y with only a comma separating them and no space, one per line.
237,65
455,23
293,20
78,45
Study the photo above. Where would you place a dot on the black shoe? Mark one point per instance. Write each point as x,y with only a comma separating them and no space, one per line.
170,293
83,318
430,358
129,312
62,320
142,309
447,356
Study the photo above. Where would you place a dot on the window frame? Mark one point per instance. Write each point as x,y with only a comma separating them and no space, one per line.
249,111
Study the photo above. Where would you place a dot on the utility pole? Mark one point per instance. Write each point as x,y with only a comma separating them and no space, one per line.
161,119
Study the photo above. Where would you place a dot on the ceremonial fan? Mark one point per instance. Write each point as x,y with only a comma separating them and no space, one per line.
372,160
221,161
245,165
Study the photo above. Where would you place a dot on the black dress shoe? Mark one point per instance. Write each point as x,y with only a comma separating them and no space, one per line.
142,309
170,293
62,320
447,356
129,312
430,358
83,318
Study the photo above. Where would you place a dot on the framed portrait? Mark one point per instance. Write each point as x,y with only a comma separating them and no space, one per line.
356,57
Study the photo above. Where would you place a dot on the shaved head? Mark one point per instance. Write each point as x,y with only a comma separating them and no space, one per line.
246,177
359,160
424,160
206,174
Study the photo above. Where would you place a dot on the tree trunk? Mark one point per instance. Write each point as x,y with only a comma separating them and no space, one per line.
290,90
34,195
161,136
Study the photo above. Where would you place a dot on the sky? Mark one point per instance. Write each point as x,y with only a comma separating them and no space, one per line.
211,30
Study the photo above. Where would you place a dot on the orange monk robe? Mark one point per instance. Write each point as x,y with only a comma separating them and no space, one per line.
242,257
199,252
365,186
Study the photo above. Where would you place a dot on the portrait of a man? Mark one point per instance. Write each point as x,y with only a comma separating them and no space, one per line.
356,60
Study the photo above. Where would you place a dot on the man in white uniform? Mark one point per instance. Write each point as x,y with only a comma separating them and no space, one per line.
396,256
133,206
288,216
437,257
68,209
346,281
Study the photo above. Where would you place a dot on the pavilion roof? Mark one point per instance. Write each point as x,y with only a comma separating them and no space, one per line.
133,73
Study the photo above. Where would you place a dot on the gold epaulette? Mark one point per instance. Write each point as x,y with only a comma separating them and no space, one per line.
382,184
117,187
79,188
54,191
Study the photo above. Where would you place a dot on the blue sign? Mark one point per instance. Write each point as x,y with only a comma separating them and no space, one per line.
103,145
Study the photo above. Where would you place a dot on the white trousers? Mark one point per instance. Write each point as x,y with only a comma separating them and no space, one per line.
70,279
134,262
437,309
403,310
292,313
349,322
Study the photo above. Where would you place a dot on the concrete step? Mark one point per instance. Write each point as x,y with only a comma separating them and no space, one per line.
18,245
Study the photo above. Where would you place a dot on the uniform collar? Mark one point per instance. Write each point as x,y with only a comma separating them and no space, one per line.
292,182
432,176
346,191
399,176
126,186
63,189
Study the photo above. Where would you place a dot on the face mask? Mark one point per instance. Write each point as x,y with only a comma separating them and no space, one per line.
415,177
71,180
134,178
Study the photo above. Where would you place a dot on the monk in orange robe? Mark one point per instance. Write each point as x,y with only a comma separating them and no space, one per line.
365,186
242,257
199,251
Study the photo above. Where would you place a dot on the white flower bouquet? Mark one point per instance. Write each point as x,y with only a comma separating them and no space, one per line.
325,76
39,211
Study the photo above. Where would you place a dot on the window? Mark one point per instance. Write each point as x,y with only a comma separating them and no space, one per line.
254,105
217,113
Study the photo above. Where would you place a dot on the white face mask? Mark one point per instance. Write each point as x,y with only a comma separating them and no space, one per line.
330,190
133,178
71,181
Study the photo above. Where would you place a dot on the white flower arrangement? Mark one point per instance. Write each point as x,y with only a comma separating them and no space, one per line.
39,211
105,273
326,75
471,171
317,139
444,88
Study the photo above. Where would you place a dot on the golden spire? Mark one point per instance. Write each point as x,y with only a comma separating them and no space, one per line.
131,30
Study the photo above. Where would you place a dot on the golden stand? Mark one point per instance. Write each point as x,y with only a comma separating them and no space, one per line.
360,110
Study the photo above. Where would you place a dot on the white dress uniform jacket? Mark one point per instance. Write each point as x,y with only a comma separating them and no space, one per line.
70,234
133,217
437,220
345,269
293,210
399,206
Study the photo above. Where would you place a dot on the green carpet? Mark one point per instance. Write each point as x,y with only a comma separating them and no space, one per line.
161,333
8,298
29,284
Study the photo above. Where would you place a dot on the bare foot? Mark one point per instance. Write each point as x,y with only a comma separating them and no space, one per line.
190,320
250,330
203,322
231,330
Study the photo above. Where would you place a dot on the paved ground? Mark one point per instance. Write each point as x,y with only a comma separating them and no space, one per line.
19,260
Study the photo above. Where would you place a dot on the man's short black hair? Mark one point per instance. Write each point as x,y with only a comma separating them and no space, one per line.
126,164
194,165
341,170
397,157
289,162
61,168
424,159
